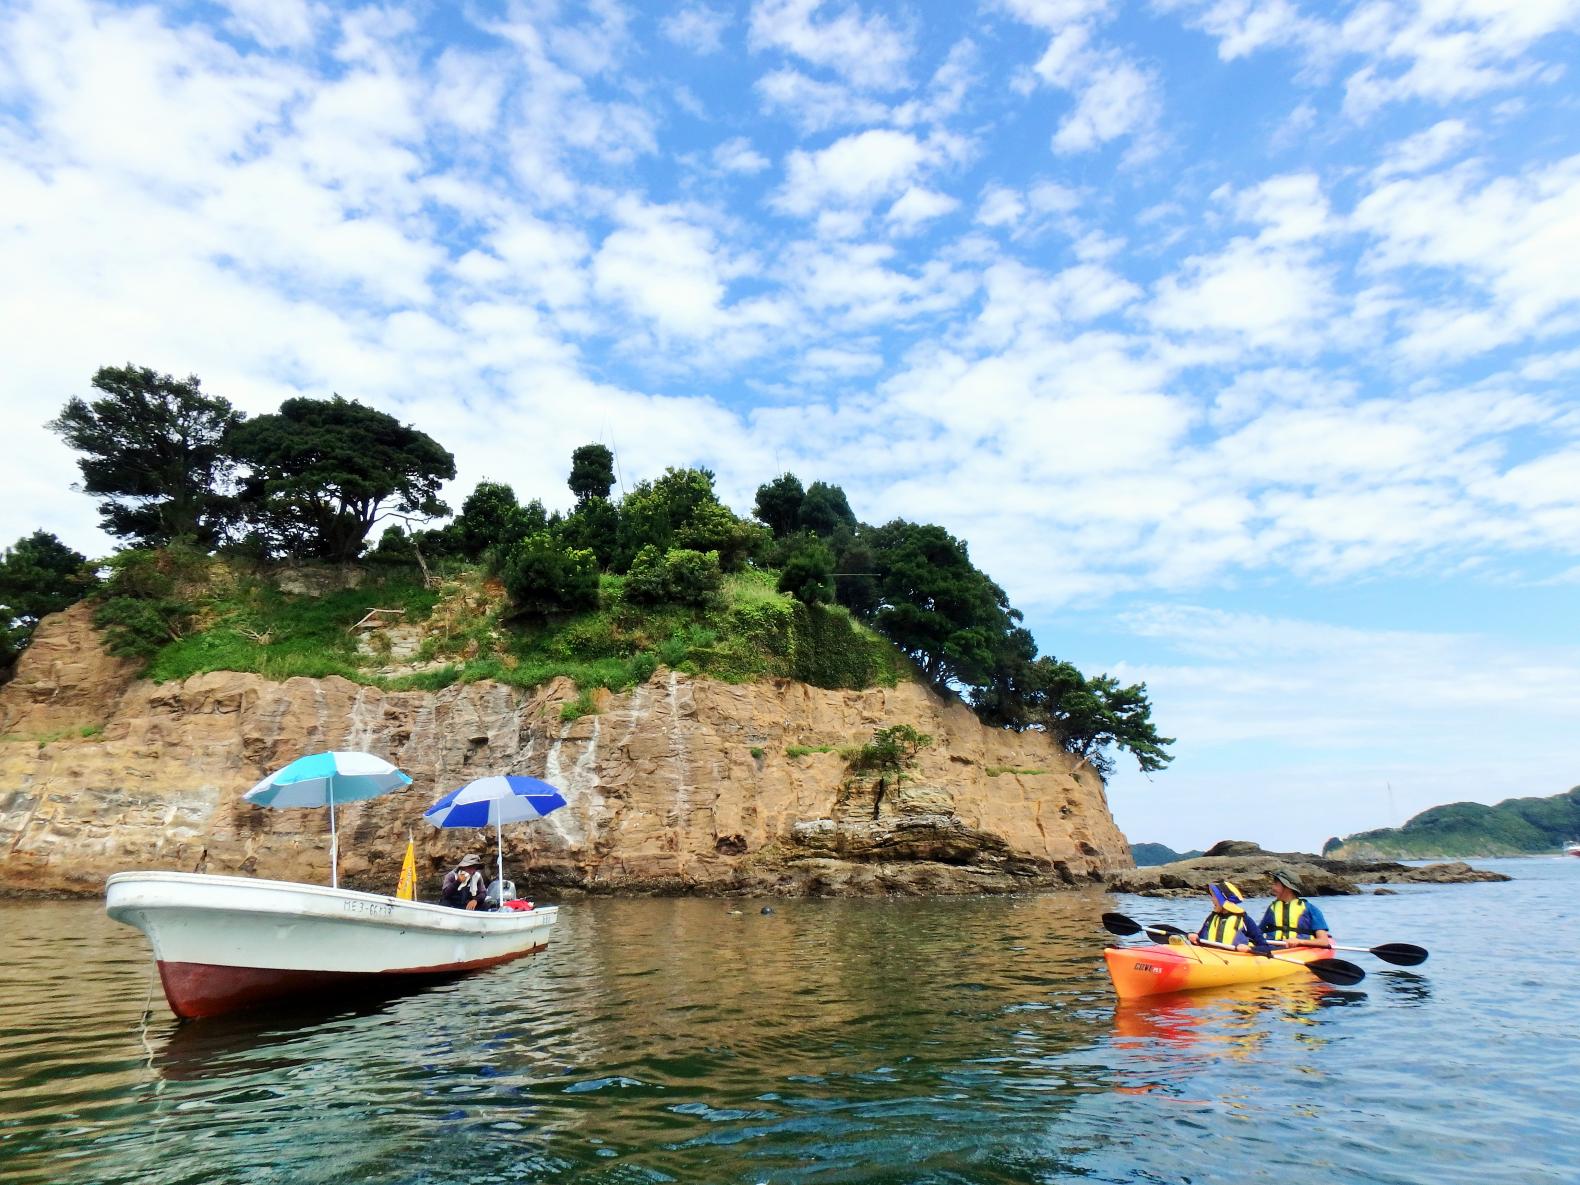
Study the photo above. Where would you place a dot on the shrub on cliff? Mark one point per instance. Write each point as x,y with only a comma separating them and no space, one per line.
678,576
149,599
542,576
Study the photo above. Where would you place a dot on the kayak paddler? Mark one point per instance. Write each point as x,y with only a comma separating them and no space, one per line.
1292,920
1228,925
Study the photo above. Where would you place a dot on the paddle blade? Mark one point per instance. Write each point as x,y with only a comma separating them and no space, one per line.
1118,923
1401,954
1336,971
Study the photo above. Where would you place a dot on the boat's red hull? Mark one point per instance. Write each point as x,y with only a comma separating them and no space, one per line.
207,989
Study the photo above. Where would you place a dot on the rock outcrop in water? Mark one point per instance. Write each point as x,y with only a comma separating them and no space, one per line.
1251,869
679,785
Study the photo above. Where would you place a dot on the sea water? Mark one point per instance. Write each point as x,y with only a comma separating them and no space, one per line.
935,1040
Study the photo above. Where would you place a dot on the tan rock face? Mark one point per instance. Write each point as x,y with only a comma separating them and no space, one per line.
679,785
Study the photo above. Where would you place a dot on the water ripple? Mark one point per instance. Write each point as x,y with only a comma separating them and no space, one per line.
878,1041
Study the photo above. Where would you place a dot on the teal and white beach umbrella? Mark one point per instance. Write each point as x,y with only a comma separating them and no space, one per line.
323,779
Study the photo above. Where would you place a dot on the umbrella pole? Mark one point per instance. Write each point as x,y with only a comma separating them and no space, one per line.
334,846
499,848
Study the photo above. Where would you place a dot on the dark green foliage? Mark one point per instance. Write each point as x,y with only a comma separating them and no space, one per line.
855,576
41,575
323,471
542,576
713,527
592,472
395,547
135,628
595,526
808,574
156,449
1514,826
1087,715
936,606
825,511
148,601
892,752
679,576
694,577
647,583
779,504
680,509
491,517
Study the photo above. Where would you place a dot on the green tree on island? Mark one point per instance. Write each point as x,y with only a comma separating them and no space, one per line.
39,575
491,517
825,511
936,606
543,577
779,504
808,574
1087,715
156,449
323,471
592,472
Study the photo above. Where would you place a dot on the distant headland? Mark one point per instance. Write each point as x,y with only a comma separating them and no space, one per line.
1515,827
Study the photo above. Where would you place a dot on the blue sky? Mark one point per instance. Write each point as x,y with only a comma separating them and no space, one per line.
1238,337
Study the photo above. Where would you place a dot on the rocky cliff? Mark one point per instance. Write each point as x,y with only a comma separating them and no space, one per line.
679,785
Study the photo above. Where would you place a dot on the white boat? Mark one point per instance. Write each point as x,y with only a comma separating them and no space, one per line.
1572,848
225,943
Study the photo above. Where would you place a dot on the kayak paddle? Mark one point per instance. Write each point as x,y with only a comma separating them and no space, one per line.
1401,954
1335,971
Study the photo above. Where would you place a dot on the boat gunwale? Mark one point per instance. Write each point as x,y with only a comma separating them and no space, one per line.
391,912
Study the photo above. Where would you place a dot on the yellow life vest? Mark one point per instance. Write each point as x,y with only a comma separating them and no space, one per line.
1225,928
1286,919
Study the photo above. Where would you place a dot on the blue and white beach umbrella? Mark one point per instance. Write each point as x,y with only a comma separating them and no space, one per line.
323,779
492,802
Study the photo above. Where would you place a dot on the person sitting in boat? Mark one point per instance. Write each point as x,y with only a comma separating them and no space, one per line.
1292,920
463,884
1227,925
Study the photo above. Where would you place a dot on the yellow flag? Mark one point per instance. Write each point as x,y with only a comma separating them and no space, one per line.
406,890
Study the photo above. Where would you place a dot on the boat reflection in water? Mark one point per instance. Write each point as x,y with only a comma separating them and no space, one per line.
1230,1021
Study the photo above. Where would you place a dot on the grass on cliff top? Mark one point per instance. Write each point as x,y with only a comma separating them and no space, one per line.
466,633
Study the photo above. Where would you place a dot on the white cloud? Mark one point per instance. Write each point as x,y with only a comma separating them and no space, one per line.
1114,97
1000,207
275,24
1514,243
697,27
1244,26
918,205
1273,297
855,171
738,156
1291,208
815,105
1425,149
867,51
1449,50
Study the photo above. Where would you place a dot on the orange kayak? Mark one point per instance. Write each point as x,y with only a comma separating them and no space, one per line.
1152,970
